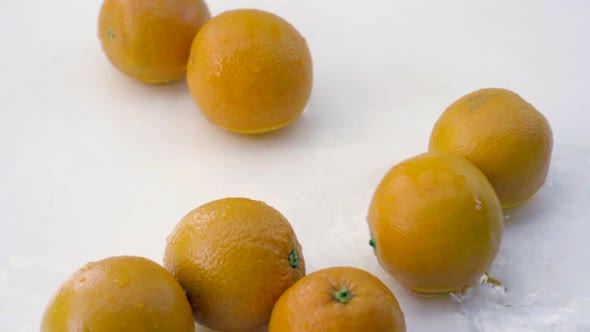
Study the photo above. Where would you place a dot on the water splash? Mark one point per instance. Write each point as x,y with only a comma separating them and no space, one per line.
489,307
500,261
463,295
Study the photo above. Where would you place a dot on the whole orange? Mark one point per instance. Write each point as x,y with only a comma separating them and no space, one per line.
436,223
504,136
250,71
234,257
338,299
119,294
150,40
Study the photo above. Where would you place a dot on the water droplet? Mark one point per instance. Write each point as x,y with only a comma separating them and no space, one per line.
506,216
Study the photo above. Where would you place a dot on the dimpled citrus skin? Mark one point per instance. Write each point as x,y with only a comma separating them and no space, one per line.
436,223
150,40
338,299
501,134
234,257
250,71
119,294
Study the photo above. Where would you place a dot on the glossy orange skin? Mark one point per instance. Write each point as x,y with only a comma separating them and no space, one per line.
504,136
150,40
436,223
119,294
311,304
250,71
232,257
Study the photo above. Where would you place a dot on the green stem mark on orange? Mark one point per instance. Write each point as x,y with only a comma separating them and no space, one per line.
294,259
110,35
343,295
372,243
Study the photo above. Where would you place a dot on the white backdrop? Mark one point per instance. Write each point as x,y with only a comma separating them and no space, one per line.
94,164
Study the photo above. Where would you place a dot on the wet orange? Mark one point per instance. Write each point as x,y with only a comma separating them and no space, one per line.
234,257
436,223
250,71
338,299
504,136
149,40
119,294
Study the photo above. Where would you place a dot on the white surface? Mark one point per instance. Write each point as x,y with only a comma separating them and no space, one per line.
94,164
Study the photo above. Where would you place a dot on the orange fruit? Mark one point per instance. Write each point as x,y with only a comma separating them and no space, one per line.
501,134
119,294
337,299
234,257
436,223
150,40
250,71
